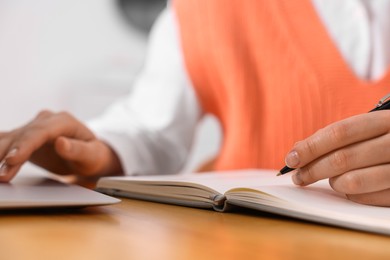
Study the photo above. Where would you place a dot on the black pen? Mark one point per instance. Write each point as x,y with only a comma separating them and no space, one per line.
383,104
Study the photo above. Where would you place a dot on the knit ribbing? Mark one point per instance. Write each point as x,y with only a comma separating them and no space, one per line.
270,73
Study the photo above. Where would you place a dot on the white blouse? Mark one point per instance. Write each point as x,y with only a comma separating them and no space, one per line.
152,128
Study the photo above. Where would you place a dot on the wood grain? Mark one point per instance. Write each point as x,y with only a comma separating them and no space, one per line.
144,230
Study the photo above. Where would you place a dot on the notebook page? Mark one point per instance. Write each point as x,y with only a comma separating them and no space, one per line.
319,196
220,181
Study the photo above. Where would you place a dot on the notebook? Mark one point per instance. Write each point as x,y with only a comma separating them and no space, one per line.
43,192
256,189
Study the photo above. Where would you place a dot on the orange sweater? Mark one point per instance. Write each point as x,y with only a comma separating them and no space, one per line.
268,70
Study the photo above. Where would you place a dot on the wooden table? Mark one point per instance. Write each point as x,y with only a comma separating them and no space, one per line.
145,230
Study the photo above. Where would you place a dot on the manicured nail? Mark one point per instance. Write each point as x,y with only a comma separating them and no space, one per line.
11,153
292,159
297,178
3,168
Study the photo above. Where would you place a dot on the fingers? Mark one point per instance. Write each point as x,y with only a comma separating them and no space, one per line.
361,181
7,172
85,156
45,128
59,143
4,145
18,146
51,125
337,135
379,198
353,153
360,155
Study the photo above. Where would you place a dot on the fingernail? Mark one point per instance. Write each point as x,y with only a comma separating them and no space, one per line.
11,153
297,178
292,159
3,168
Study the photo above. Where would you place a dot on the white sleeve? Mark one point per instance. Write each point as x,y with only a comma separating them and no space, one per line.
152,129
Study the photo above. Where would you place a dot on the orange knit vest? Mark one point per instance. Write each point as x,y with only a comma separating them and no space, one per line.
268,70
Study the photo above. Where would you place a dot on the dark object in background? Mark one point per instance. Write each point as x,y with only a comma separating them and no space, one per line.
141,13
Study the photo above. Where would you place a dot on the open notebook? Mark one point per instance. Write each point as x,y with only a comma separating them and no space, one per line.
255,189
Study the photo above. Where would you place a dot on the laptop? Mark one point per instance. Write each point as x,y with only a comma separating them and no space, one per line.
27,192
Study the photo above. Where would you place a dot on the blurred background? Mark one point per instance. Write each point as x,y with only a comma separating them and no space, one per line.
78,56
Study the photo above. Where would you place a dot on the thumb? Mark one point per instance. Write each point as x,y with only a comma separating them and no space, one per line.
85,157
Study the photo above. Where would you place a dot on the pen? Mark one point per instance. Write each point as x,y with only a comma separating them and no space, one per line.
383,104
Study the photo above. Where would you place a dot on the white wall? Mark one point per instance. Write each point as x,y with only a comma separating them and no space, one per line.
52,51
74,55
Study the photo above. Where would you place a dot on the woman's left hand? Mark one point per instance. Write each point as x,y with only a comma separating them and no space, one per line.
354,154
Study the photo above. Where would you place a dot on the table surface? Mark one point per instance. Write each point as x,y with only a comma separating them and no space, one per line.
145,230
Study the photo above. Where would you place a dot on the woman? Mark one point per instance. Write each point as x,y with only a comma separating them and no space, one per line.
272,72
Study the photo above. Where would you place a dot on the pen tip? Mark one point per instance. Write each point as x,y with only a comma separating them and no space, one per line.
279,173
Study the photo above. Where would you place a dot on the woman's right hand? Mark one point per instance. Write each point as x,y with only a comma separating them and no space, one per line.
59,143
